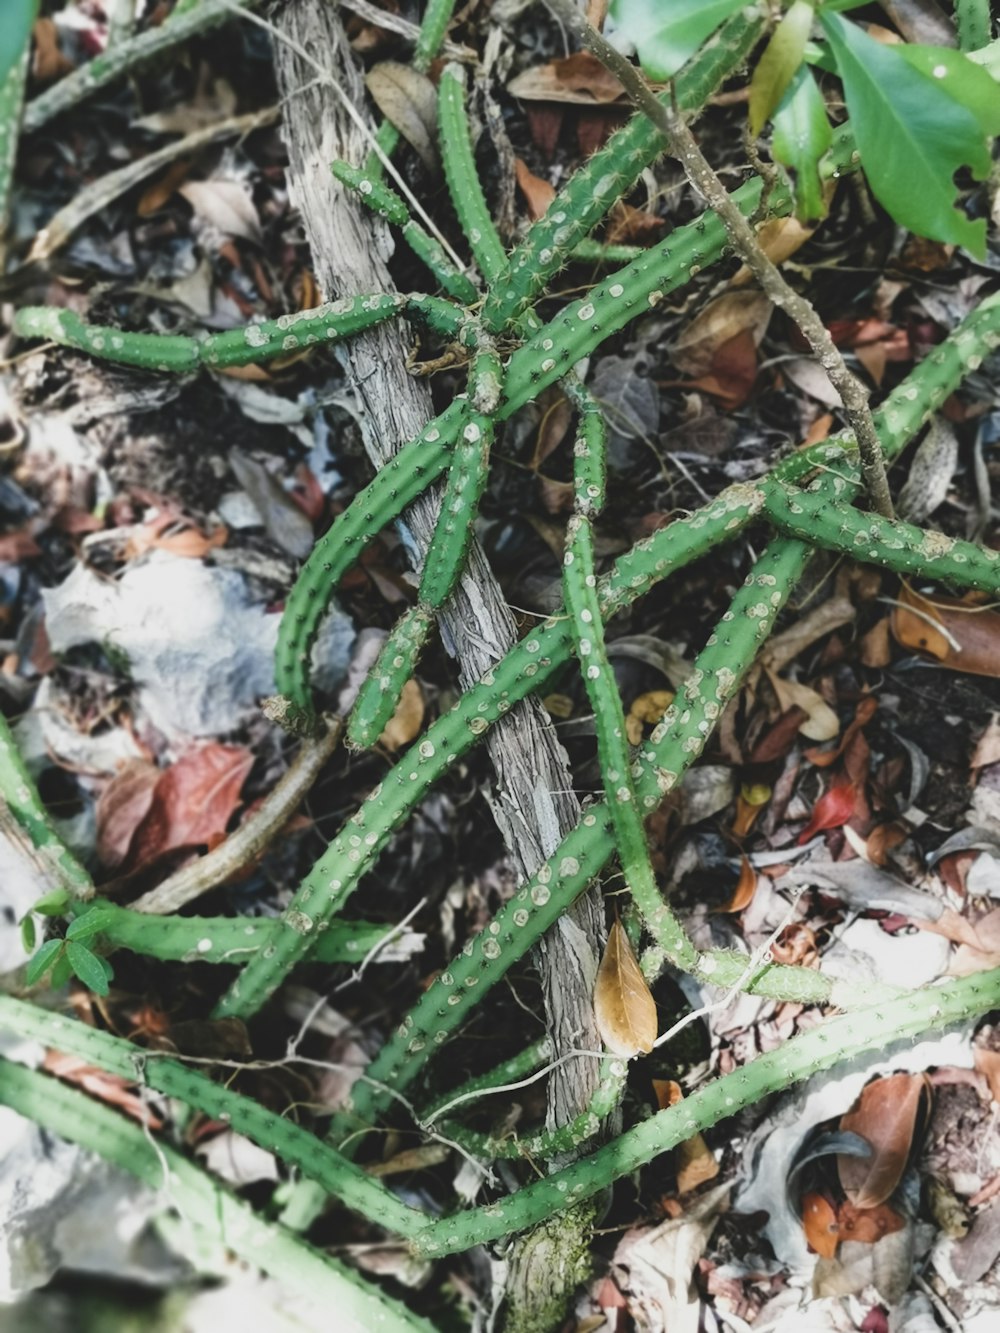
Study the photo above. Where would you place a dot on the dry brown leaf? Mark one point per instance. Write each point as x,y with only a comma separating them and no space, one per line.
746,887
226,205
886,1117
821,722
538,193
694,352
580,79
623,1003
407,720
863,714
958,633
988,1064
867,1226
693,1159
779,238
409,101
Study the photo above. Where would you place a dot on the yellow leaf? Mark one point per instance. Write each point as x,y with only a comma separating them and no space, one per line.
626,1013
406,720
822,724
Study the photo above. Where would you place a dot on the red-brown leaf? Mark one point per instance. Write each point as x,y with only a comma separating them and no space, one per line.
833,809
886,1117
193,802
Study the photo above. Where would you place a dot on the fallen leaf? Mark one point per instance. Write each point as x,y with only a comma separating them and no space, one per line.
834,808
121,808
735,312
538,193
694,1160
406,720
226,205
580,79
867,1226
863,714
886,1117
746,887
778,740
930,472
623,1003
821,722
819,1221
192,803
108,1088
796,945
409,101
959,634
811,378
988,1064
779,238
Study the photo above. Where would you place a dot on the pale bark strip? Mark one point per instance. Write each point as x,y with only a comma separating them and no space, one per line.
534,805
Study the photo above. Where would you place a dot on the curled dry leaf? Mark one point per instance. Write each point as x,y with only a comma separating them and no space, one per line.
821,722
751,801
886,1116
538,193
646,710
623,1004
960,634
863,714
746,887
406,720
580,79
694,352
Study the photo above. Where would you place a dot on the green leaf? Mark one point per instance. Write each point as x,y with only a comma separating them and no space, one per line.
52,904
87,967
61,971
29,936
43,960
802,135
776,67
87,924
962,79
912,133
666,35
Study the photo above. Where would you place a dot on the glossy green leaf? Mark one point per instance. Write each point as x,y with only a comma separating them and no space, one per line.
961,79
61,970
666,35
776,67
42,960
52,904
29,936
88,968
87,924
912,133
802,135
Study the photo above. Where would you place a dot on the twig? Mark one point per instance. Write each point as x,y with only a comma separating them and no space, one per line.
252,837
667,120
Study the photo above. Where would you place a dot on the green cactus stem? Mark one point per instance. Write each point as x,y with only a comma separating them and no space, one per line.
388,204
204,1203
899,1021
20,796
289,1141
975,24
236,347
464,187
610,173
902,547
225,939
381,689
525,668
580,592
119,60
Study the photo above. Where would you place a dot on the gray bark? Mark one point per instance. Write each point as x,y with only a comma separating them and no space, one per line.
534,805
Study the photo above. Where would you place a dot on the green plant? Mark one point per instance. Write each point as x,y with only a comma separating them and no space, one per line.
806,502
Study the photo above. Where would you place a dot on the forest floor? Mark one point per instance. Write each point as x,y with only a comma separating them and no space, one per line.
849,800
